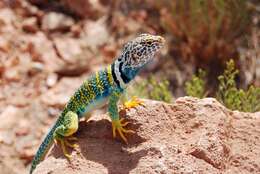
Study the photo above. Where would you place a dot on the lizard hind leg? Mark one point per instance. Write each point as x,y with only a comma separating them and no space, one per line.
67,128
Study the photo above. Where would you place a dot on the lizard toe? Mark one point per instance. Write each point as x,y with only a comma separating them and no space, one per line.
118,126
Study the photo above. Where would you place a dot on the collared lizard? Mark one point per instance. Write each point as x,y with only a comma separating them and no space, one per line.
104,86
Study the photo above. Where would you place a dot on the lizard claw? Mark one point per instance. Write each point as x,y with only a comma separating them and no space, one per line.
64,150
64,142
118,126
133,103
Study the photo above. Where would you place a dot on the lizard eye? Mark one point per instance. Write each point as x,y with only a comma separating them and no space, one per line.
149,42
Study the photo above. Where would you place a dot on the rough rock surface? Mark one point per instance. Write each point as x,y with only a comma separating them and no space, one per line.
188,136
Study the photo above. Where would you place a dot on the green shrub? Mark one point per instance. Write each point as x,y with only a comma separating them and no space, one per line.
227,92
196,86
234,98
152,89
206,30
250,99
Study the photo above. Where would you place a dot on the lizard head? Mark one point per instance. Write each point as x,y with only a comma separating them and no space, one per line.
137,53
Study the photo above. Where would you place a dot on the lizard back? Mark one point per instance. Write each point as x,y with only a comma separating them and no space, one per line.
92,93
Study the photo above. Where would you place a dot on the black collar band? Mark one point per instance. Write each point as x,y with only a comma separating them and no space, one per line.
123,76
114,75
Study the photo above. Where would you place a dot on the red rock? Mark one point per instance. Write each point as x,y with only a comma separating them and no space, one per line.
44,48
8,117
27,155
188,136
7,17
23,127
75,30
81,7
51,79
30,9
60,93
68,48
92,33
56,21
4,44
7,137
109,51
30,25
22,131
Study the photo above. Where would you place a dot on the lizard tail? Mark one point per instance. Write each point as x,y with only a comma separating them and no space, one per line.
44,148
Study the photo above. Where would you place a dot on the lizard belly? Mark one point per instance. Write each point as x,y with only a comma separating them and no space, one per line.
93,105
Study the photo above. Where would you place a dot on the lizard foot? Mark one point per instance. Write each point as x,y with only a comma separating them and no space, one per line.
133,103
65,142
118,125
64,150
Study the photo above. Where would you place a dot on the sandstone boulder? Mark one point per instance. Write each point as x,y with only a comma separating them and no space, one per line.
189,136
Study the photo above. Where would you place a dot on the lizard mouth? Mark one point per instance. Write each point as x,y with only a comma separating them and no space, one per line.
159,47
161,40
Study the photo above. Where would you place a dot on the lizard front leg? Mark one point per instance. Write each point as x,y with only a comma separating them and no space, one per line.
68,127
117,124
132,103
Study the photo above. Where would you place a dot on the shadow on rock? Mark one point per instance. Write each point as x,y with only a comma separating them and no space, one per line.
96,144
